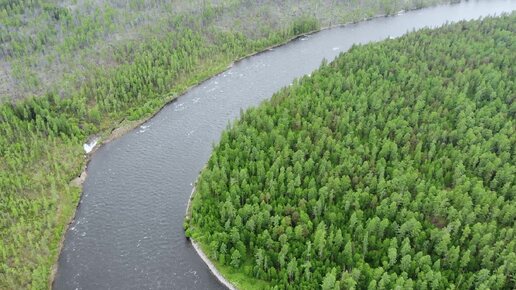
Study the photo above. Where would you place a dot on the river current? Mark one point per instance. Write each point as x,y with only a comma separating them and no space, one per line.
127,233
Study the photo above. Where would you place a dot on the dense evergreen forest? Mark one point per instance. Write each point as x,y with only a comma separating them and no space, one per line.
392,167
73,68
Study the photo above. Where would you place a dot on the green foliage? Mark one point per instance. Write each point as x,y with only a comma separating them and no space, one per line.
391,167
93,64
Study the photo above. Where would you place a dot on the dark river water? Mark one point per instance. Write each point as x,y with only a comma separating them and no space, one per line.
128,229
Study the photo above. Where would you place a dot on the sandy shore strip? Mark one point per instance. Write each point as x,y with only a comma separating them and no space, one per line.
200,252
212,267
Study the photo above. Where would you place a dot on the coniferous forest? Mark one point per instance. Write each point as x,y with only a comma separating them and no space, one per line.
73,69
392,167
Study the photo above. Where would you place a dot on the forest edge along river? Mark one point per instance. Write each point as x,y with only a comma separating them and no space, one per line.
128,228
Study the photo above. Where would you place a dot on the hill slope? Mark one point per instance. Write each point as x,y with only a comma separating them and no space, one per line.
392,166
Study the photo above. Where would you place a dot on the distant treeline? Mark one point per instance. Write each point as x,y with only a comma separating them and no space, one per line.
70,69
393,167
53,45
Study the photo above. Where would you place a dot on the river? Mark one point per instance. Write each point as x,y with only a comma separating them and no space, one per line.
128,231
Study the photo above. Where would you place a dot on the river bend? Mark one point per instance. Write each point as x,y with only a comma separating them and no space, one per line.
128,233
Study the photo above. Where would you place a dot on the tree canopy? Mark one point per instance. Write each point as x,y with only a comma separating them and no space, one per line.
393,166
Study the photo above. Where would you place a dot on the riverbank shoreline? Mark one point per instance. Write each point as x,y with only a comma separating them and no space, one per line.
198,249
211,266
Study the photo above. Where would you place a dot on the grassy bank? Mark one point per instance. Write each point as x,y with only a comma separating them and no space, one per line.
239,278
